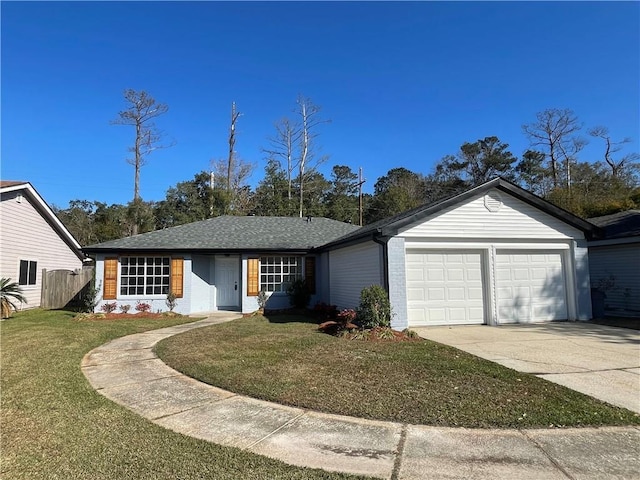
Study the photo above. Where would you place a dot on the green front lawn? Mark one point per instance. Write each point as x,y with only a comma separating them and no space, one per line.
54,425
287,360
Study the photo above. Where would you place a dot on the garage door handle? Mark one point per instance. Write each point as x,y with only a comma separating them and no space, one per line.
236,287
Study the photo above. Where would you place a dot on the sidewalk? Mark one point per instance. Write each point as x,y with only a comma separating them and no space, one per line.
126,371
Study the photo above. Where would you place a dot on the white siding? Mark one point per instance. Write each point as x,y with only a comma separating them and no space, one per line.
623,263
514,219
26,235
352,269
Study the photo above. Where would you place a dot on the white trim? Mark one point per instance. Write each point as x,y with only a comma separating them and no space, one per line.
411,244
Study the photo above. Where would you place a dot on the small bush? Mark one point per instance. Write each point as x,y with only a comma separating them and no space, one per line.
262,299
109,307
346,316
143,307
410,333
171,301
125,308
88,298
375,308
299,294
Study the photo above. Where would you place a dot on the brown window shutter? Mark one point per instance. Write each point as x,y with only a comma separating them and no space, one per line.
177,275
110,279
310,273
253,285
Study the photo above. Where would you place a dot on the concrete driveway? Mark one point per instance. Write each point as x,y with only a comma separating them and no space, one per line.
597,360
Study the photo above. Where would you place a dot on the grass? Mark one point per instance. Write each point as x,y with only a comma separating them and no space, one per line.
287,360
54,425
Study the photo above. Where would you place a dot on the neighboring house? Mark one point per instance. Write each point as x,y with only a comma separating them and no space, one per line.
32,239
614,262
495,254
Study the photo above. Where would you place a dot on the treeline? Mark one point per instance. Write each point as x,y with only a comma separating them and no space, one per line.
552,169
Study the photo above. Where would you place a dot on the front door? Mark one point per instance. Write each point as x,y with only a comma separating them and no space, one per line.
227,282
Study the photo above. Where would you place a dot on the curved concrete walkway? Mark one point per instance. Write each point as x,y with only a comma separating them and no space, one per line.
127,371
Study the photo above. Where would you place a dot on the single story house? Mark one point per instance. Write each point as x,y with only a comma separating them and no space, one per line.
32,240
614,262
494,254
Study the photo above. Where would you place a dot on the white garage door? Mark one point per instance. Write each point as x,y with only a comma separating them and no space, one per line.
444,287
530,286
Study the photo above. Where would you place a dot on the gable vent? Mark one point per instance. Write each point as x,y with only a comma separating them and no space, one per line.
493,201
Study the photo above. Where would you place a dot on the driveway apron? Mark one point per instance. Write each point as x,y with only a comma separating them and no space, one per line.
600,361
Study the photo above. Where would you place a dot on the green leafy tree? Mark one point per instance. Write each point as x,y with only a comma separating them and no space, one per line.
189,201
399,190
342,197
79,218
271,196
477,163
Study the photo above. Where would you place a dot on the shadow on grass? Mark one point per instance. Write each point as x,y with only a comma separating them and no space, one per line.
292,316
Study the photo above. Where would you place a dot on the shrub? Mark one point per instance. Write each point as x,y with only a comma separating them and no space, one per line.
88,298
262,299
109,307
299,294
10,292
346,316
143,307
375,308
124,308
171,301
410,333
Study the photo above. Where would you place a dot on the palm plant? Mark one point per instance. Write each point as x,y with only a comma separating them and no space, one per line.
10,292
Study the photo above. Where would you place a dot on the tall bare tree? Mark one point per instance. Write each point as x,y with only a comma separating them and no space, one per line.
140,113
232,142
282,148
308,113
555,132
617,166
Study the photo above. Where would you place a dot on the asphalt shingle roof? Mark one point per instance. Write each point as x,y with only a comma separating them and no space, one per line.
236,233
619,225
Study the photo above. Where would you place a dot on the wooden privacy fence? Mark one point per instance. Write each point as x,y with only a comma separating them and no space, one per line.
59,287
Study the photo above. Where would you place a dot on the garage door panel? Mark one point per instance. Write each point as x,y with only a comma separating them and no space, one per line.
435,275
452,286
530,286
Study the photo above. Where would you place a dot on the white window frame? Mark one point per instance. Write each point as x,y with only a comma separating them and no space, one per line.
277,272
32,273
153,279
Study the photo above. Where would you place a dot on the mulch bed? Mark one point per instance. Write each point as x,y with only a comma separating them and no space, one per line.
99,316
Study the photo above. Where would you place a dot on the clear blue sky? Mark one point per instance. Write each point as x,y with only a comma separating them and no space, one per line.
403,83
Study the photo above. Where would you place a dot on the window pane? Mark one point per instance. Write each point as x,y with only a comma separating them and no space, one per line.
24,271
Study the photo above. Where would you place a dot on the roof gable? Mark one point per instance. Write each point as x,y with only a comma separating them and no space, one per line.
45,211
392,225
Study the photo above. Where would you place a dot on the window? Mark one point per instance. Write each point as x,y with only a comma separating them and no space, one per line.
277,273
28,270
144,275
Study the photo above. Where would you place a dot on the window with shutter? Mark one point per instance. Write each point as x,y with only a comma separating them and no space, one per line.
110,278
310,273
177,275
253,287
